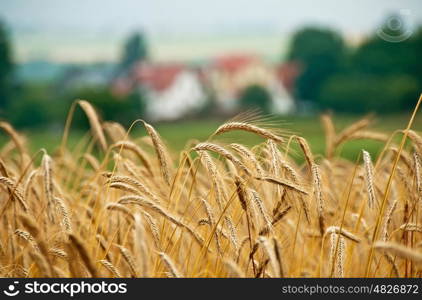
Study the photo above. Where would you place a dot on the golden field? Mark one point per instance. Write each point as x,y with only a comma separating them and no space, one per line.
118,206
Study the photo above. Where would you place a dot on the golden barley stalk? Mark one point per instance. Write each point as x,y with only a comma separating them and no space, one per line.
345,233
306,150
15,191
230,126
142,156
115,131
418,175
64,214
369,179
160,151
139,244
261,207
416,139
318,197
270,254
340,257
213,173
155,207
233,234
94,122
233,269
399,250
28,183
120,208
125,187
211,221
110,267
352,129
171,267
59,253
370,135
154,229
393,264
95,165
330,134
411,227
284,183
129,260
27,237
388,219
42,264
3,169
277,254
223,152
135,183
83,253
265,230
16,138
248,155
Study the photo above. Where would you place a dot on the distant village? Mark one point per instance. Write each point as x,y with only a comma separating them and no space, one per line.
174,90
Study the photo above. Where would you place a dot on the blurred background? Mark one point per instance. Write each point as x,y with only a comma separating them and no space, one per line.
187,65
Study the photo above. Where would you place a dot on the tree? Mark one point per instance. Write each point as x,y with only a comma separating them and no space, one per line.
135,50
6,67
34,106
321,52
386,72
255,96
120,109
380,55
361,93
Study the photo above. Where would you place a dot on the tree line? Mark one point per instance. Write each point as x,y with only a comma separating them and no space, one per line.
377,75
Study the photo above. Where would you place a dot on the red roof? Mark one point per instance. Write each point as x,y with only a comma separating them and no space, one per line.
234,63
158,77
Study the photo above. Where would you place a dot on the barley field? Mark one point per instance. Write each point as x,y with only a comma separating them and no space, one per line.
118,206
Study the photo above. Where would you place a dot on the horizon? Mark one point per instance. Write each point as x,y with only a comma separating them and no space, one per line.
55,33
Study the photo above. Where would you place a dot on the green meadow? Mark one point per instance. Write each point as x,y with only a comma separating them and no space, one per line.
178,134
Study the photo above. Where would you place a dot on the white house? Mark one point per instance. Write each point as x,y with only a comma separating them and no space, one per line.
172,90
183,95
229,75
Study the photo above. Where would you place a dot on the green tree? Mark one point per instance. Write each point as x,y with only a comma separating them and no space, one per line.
135,50
6,67
415,62
360,93
120,109
34,105
379,55
321,53
255,96
385,74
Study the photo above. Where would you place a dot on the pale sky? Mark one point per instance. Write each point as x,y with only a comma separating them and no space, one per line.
93,30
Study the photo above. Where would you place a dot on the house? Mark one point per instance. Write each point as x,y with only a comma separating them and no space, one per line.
229,75
173,90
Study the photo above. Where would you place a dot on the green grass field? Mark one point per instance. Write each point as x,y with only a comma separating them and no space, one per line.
178,134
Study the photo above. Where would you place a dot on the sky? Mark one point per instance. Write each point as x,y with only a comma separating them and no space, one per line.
93,30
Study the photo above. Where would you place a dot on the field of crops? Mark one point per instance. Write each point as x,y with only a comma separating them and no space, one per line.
251,198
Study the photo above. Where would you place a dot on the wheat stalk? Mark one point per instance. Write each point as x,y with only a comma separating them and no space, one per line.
172,270
160,150
399,250
230,126
369,179
110,267
94,122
